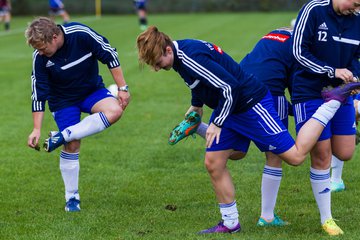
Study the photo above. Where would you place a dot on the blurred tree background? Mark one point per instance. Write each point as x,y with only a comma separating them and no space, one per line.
40,7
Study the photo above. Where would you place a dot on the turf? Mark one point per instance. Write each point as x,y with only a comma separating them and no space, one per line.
134,185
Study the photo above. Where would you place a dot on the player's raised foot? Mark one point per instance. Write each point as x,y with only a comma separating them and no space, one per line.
276,222
339,93
332,228
221,228
337,186
73,205
187,127
55,140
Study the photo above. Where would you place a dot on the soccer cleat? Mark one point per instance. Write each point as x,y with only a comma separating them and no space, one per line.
73,205
339,93
337,186
187,127
221,228
332,228
55,140
276,222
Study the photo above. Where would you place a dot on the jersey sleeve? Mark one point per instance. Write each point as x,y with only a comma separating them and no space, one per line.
304,35
39,84
101,49
215,76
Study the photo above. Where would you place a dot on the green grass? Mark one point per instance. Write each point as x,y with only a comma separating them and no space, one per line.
129,174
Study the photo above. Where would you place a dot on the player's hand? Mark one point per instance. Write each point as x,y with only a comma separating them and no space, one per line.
212,133
124,99
344,74
33,140
199,110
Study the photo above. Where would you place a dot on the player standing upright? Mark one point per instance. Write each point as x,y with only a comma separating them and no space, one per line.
326,46
57,8
141,10
66,74
5,13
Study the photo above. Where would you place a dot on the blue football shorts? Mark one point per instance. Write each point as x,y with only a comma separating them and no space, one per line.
343,122
260,124
140,5
71,115
281,105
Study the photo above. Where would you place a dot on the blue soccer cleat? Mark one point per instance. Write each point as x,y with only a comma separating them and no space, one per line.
73,205
187,127
221,228
55,140
275,222
340,93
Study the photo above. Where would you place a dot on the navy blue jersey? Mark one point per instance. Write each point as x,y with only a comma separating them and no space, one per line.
72,73
322,42
271,61
215,79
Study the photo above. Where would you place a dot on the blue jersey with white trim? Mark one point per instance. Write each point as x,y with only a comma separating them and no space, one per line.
215,79
271,61
322,42
72,73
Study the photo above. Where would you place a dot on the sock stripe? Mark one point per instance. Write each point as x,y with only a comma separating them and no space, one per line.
321,122
273,172
69,156
104,120
227,205
314,176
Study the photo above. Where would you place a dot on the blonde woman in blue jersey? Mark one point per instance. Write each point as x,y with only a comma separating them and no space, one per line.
326,46
65,73
243,111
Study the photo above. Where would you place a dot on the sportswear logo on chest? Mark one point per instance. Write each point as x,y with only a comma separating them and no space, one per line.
323,26
49,63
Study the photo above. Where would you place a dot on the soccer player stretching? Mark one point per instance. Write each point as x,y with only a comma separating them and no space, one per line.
66,74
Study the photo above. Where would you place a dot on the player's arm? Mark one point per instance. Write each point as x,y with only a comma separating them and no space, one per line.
40,88
303,38
118,76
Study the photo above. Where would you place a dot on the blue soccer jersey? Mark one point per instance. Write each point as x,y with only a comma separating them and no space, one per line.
72,73
322,42
55,4
215,79
271,61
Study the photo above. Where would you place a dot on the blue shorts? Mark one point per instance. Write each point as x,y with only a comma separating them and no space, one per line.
343,122
140,5
71,115
356,96
281,105
261,124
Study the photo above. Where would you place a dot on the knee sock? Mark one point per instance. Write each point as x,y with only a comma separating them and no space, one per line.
229,214
326,111
90,125
270,185
336,169
202,129
320,183
69,167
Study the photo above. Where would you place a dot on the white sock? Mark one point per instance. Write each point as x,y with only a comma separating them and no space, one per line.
70,167
336,169
90,125
202,129
320,183
326,111
229,214
270,185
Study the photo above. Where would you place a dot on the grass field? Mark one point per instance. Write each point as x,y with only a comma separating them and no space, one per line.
129,174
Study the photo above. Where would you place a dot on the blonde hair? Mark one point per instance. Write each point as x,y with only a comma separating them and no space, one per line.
152,45
41,31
